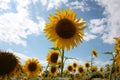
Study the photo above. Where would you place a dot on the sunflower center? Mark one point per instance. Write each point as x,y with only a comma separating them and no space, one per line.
54,57
8,63
75,65
87,65
65,29
32,66
80,70
53,69
70,68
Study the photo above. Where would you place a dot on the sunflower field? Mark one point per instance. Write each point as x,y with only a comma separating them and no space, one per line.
65,32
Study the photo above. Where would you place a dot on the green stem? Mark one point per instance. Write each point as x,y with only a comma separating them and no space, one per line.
91,61
62,65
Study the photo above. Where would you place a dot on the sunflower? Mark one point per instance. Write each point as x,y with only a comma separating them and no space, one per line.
101,69
70,68
59,63
64,29
9,64
53,70
32,67
94,52
75,65
117,44
80,69
87,65
53,56
94,68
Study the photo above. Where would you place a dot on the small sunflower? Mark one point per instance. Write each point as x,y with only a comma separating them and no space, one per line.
53,56
32,67
70,68
117,44
9,64
101,69
53,70
94,68
87,65
64,29
94,52
80,69
59,63
75,65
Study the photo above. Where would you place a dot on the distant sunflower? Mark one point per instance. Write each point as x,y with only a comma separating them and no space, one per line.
64,29
59,63
70,68
80,69
53,70
9,64
52,57
94,68
94,52
87,65
32,67
101,69
75,65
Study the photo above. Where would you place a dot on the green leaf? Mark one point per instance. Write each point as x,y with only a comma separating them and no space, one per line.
108,53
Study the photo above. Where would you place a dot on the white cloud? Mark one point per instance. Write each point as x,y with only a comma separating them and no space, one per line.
4,4
112,19
82,5
89,36
100,63
15,27
97,26
55,3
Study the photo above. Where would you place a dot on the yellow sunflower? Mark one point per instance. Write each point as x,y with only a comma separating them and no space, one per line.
64,29
94,68
87,65
70,68
80,69
94,53
75,65
59,63
32,67
117,44
101,69
9,64
53,56
53,70
117,59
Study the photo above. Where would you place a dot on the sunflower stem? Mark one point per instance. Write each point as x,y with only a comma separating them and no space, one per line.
62,58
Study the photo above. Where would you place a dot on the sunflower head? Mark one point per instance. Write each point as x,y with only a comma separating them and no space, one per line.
64,29
32,67
101,69
80,69
9,64
70,68
75,65
53,70
87,65
94,68
59,63
53,56
94,53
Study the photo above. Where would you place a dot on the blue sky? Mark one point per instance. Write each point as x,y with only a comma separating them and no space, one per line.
22,23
